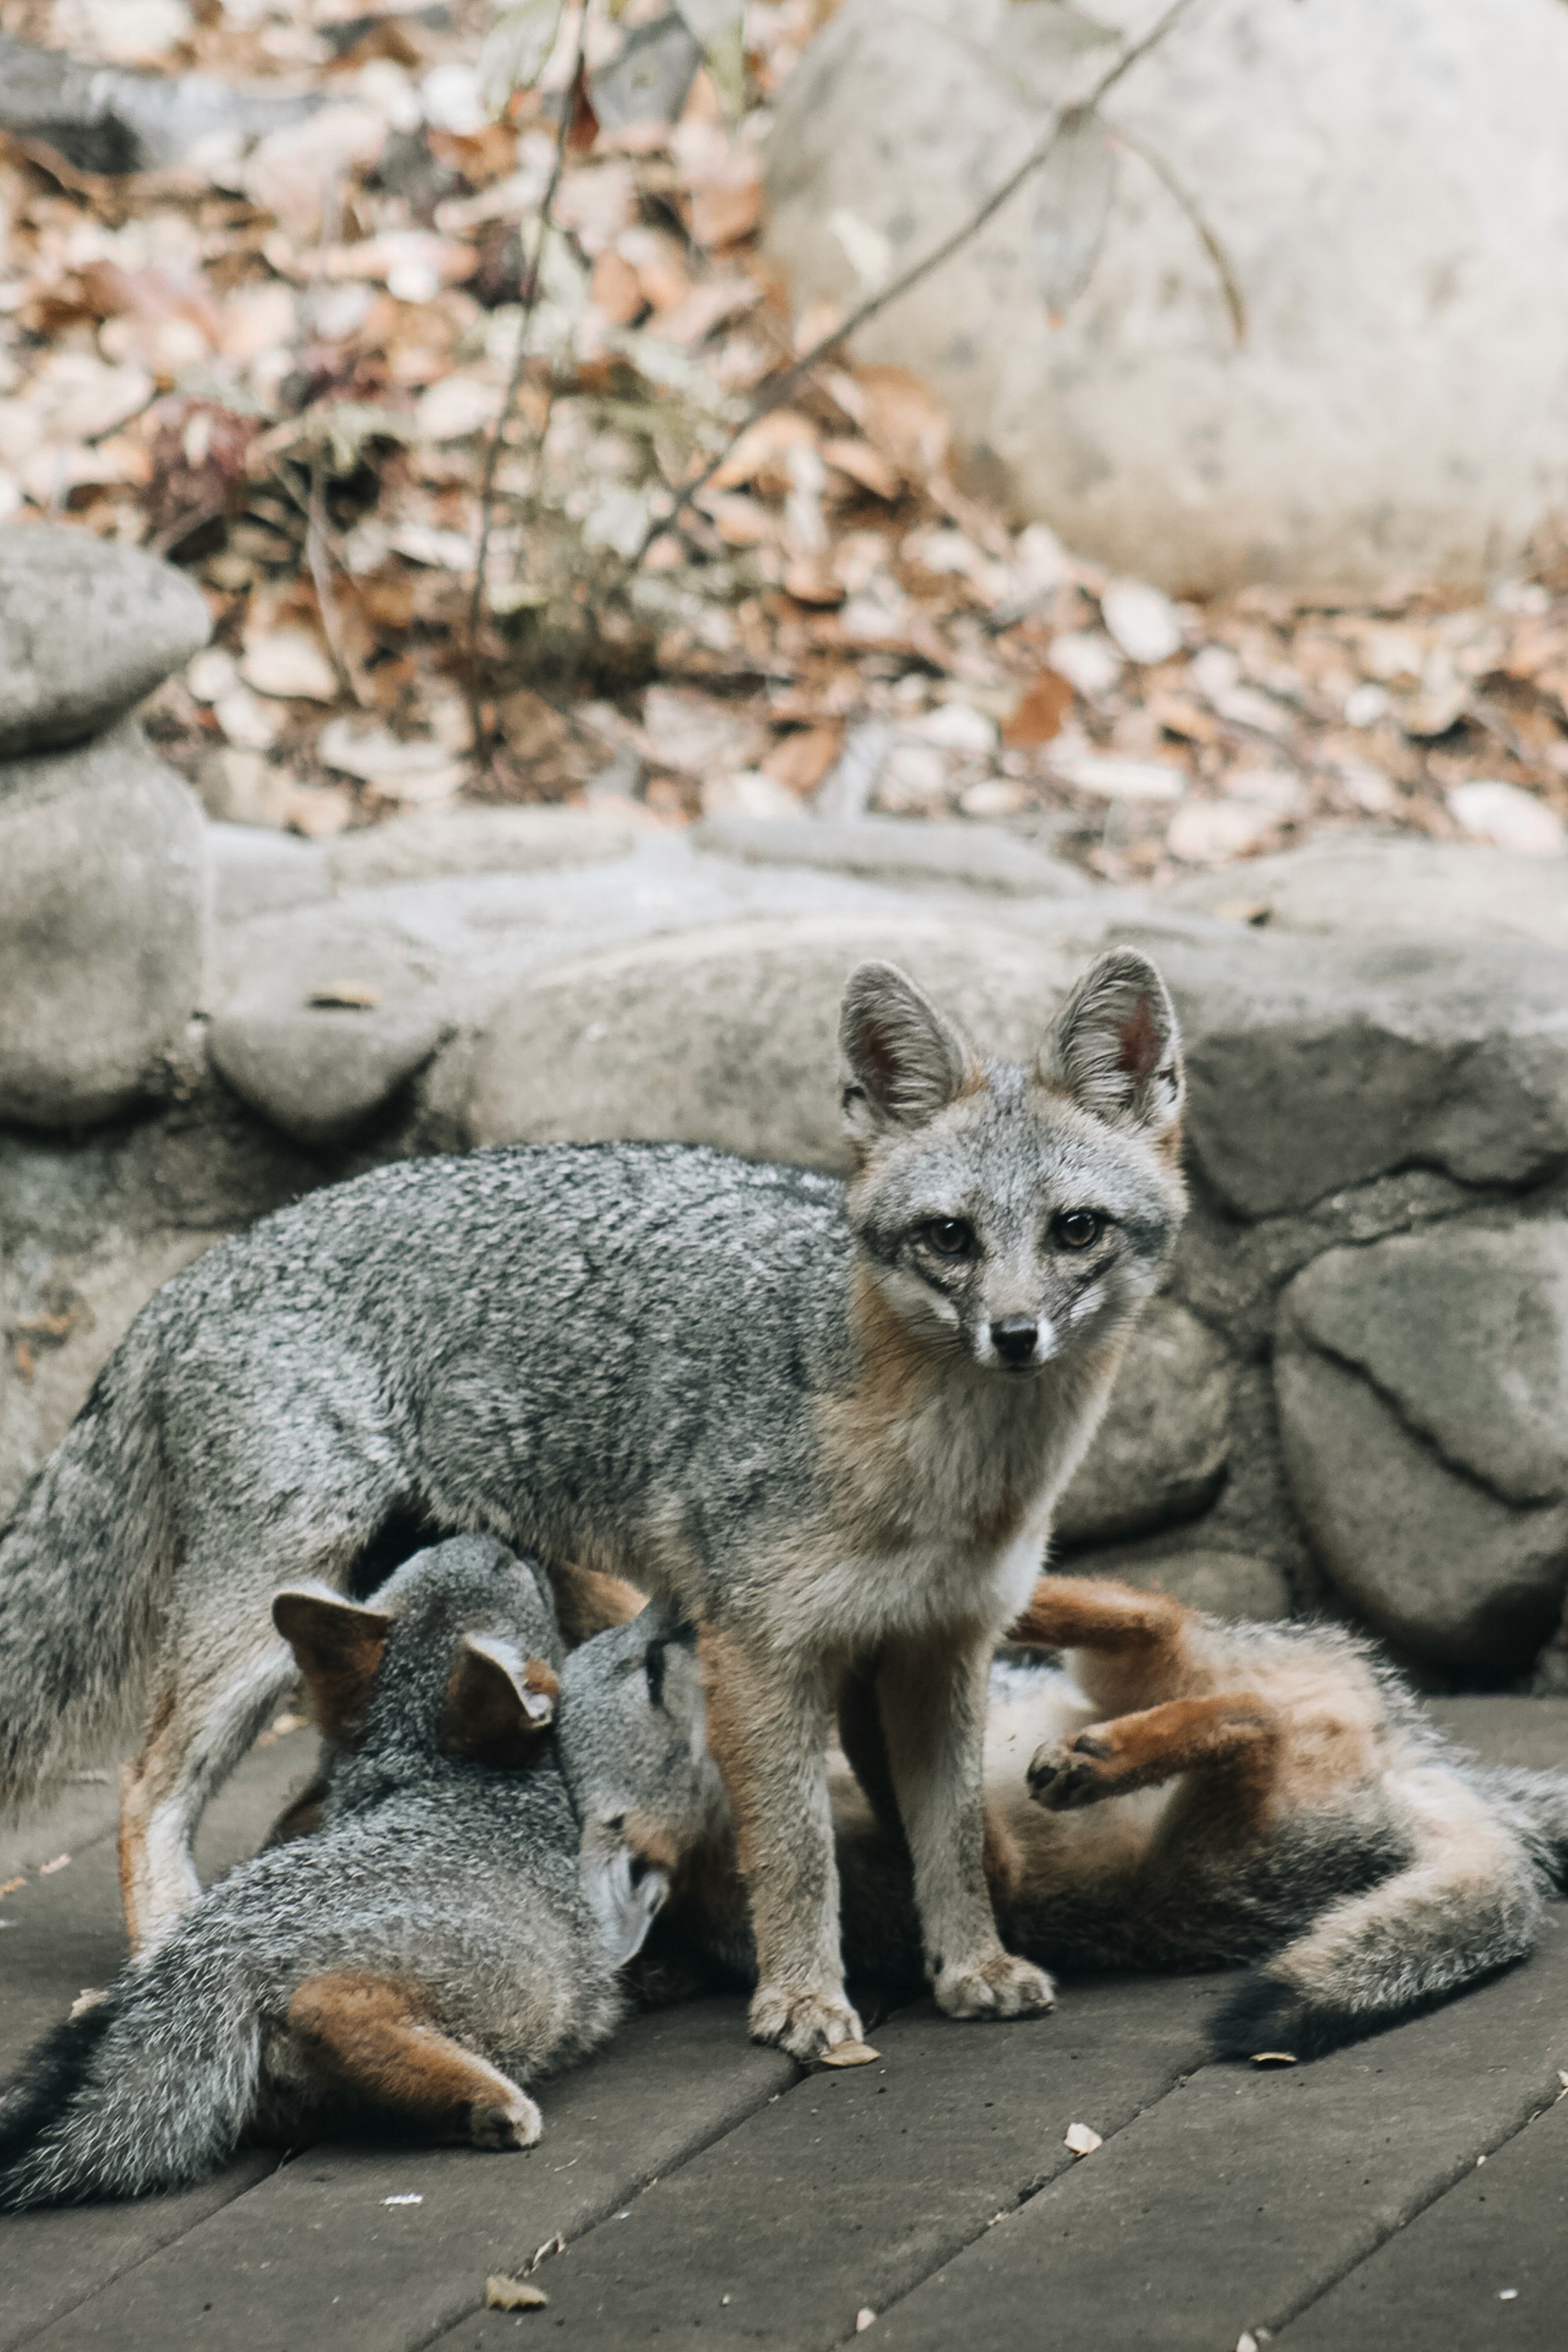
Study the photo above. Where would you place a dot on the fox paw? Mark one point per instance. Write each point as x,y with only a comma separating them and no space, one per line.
998,1986
1073,1772
805,2023
505,2123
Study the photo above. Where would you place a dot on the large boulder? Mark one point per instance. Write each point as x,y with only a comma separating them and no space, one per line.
728,1037
103,881
1397,405
1314,1065
1423,1390
87,627
1355,884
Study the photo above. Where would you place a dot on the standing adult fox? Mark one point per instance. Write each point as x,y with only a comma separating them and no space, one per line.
829,1422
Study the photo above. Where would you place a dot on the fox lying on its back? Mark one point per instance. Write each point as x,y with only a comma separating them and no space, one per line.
829,1422
456,1927
1183,1793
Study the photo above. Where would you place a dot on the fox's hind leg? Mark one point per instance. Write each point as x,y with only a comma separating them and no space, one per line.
1231,1734
206,1718
366,2034
1131,1648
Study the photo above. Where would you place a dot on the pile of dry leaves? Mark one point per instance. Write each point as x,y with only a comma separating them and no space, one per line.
282,357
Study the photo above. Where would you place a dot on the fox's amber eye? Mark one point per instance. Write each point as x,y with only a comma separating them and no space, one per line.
1078,1227
950,1237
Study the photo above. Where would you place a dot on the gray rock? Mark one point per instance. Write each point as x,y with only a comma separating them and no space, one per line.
727,1036
1423,1387
64,1319
1317,1064
105,121
1162,1448
1465,1332
320,1043
1138,424
474,841
1430,1557
1361,886
87,627
980,857
258,872
103,888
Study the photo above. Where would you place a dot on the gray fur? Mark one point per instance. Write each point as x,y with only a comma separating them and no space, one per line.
429,1868
650,1359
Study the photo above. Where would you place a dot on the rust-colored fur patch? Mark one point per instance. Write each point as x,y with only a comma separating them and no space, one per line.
339,1649
374,2036
589,1601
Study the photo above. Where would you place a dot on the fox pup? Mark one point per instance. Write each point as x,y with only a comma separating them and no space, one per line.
1181,1793
829,1421
455,1928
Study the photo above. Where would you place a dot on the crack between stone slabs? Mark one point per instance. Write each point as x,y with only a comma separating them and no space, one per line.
1036,2187
1493,1192
624,2197
128,2269
1423,1437
1289,2314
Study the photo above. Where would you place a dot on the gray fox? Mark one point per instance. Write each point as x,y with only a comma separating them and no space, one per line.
829,1422
1181,1793
454,1928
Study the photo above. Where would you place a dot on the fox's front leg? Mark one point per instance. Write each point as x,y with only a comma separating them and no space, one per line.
767,1729
933,1698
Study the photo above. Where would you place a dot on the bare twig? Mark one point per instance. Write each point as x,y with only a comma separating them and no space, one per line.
477,600
775,390
317,558
1234,300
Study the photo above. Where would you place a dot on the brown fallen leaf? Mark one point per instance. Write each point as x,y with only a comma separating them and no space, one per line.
801,760
11,1885
513,2295
864,465
1275,2058
351,995
1046,703
48,1869
849,2054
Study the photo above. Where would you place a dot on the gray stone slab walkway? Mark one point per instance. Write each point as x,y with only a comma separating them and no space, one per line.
708,2192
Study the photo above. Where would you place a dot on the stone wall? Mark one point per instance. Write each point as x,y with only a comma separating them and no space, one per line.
1352,1393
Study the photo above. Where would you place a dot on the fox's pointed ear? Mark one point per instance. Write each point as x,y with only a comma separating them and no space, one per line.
499,1705
338,1645
902,1060
1116,1048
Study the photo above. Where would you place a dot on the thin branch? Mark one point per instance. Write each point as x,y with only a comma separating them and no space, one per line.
1234,300
478,606
777,389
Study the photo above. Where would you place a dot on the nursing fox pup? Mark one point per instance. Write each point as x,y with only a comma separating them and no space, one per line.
454,1929
829,1422
1181,1793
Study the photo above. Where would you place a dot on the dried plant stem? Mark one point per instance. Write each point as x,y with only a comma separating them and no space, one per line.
478,606
776,389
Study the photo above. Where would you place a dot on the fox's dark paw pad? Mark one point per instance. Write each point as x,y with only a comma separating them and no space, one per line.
505,2124
1070,1772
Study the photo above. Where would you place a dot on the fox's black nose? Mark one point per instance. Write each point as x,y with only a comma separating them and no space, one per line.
1014,1338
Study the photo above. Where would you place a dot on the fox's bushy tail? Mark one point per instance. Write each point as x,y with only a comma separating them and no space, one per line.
150,2089
84,1568
1469,1903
